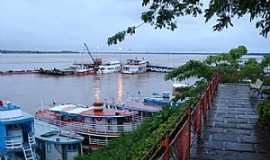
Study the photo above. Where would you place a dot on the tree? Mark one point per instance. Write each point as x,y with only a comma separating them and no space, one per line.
226,64
251,70
163,14
266,61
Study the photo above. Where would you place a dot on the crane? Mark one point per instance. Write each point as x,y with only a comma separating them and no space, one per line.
89,53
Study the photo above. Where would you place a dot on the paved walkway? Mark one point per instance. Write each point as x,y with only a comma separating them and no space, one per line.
231,132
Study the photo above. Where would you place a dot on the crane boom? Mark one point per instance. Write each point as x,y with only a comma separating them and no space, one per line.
89,53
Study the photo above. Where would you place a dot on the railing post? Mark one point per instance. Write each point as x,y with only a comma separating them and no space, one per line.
189,134
165,145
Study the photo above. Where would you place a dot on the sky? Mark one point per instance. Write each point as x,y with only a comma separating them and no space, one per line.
67,24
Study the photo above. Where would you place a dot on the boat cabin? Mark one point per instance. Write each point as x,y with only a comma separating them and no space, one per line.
135,66
16,132
56,144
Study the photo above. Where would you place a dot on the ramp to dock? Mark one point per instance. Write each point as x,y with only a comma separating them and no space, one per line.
231,131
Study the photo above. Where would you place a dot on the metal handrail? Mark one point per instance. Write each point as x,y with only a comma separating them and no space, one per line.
88,128
162,148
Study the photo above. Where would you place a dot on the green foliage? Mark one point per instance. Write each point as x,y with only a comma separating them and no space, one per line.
192,91
226,64
231,57
164,13
263,110
266,61
251,70
191,69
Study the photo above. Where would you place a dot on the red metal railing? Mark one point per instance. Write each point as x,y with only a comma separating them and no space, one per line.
177,144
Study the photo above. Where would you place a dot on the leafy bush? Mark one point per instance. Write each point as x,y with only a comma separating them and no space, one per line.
263,110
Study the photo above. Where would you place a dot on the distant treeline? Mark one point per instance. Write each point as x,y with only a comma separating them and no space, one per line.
130,52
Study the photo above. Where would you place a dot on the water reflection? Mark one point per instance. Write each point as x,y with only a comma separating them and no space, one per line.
97,89
119,89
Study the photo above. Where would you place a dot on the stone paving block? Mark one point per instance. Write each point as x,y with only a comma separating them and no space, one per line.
231,131
240,147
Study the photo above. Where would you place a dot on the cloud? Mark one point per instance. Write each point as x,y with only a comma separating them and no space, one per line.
66,24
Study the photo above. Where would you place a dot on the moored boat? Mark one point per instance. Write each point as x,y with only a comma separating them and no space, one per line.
17,133
134,66
53,143
84,69
109,67
158,100
98,124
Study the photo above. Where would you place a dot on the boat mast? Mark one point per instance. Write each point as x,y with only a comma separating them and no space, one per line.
89,53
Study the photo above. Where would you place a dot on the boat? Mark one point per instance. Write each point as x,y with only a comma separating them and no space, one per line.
158,100
55,72
53,143
98,124
17,133
109,67
84,69
134,66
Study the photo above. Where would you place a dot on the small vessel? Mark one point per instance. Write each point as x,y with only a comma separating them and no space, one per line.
98,124
17,133
109,67
84,69
158,100
55,72
54,143
134,66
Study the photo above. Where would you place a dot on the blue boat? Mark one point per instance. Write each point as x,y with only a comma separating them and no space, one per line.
56,144
16,133
158,100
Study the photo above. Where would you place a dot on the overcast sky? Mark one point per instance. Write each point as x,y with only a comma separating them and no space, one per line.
66,24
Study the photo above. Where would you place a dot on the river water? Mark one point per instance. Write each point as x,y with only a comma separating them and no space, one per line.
34,91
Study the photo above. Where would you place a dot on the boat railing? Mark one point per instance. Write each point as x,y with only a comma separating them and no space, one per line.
98,141
31,139
13,143
88,128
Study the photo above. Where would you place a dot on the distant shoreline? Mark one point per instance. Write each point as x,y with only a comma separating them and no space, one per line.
157,53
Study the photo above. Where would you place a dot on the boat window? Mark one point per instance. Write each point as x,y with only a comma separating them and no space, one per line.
49,148
72,147
13,126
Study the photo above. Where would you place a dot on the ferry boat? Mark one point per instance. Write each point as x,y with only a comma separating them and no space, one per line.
17,133
134,66
109,67
53,143
98,124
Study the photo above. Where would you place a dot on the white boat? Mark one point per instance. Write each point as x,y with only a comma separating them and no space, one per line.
135,66
109,67
84,69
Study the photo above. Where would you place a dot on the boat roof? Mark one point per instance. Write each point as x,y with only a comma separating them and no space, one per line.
112,62
140,106
68,107
93,111
180,85
106,112
135,61
54,134
10,112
